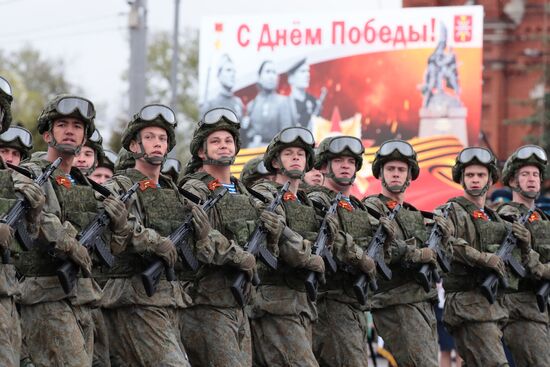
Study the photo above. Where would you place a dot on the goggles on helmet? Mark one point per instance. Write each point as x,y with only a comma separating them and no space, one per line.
215,115
68,105
339,144
481,154
110,156
260,168
152,111
16,132
95,138
5,86
291,134
171,164
527,151
391,146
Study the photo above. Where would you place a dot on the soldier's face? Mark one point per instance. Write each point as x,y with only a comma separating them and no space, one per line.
68,131
395,173
154,140
219,144
342,167
268,77
300,78
527,178
101,175
475,177
227,75
313,177
10,155
292,158
85,158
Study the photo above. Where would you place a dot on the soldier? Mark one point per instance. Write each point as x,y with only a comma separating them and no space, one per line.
254,170
401,303
216,331
340,334
105,168
526,332
473,322
10,327
90,155
57,327
281,313
15,145
143,330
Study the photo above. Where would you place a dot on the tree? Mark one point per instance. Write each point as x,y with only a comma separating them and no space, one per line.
35,80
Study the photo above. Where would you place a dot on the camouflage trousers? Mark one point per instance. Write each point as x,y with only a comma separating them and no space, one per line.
340,335
101,340
10,333
144,336
216,336
527,332
409,332
282,340
476,328
58,334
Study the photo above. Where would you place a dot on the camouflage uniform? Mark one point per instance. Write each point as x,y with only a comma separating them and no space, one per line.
281,313
340,333
58,327
526,332
401,303
216,331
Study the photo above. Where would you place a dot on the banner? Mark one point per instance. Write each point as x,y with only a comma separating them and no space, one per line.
411,73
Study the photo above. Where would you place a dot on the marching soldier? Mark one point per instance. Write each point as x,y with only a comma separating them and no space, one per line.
281,313
526,332
474,323
401,303
57,327
340,334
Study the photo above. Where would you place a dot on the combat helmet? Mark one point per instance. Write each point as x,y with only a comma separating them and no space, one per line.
66,105
527,155
253,170
96,143
108,160
18,138
287,138
150,115
336,146
214,120
396,150
479,156
6,98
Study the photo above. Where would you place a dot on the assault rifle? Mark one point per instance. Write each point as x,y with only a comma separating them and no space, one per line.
255,247
180,237
320,248
90,238
375,250
14,217
428,274
542,296
489,287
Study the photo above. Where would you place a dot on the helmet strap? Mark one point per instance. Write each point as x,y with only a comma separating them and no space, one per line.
292,173
63,148
343,181
155,161
399,189
224,161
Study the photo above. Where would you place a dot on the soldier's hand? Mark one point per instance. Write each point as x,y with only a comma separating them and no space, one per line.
6,236
77,253
332,226
247,263
274,224
35,197
390,227
423,255
166,250
201,223
317,264
524,237
367,265
116,210
446,227
493,262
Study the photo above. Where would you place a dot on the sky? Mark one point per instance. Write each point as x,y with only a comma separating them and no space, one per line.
91,37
